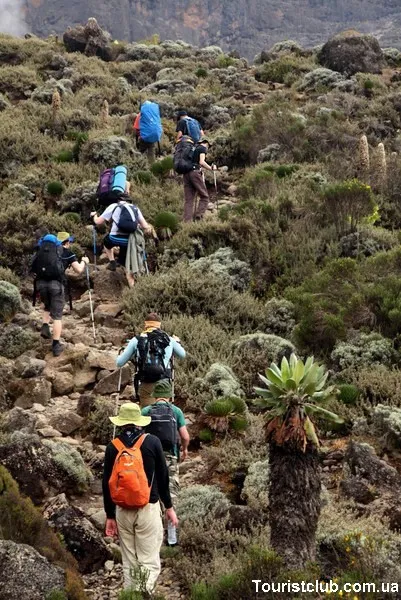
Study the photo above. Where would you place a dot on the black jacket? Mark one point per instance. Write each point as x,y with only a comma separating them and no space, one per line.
154,463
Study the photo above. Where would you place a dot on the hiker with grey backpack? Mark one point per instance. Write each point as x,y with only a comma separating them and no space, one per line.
168,424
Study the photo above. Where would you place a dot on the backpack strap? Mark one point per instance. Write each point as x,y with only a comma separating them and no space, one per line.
118,444
140,441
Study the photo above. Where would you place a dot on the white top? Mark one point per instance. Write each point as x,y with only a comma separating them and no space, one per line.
107,215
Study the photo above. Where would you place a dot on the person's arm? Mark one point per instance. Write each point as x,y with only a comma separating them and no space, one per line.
79,267
109,506
184,437
204,164
178,350
143,223
129,351
161,473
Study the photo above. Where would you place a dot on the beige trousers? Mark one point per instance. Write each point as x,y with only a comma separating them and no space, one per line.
141,535
145,394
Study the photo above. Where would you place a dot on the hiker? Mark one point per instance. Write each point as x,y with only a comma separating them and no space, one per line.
194,183
168,424
186,125
132,487
148,129
152,351
53,257
126,219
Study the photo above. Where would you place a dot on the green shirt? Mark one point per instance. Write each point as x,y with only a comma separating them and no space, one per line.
179,417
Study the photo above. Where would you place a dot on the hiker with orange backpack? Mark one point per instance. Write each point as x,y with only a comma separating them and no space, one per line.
135,479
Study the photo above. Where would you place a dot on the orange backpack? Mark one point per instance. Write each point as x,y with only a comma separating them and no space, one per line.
129,487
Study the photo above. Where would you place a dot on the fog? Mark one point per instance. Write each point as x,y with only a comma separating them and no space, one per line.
12,17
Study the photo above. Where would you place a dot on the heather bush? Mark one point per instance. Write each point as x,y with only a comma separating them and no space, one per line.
8,276
99,426
70,461
14,340
386,422
284,69
10,300
363,350
377,384
199,501
252,353
346,204
280,317
225,266
21,522
222,381
256,485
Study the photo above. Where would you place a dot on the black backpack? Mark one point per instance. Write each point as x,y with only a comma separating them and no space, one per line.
183,155
128,220
48,263
163,425
150,356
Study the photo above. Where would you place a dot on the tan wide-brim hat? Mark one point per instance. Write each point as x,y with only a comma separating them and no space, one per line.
130,414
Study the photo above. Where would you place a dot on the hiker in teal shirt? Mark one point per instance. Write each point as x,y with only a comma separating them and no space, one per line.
172,417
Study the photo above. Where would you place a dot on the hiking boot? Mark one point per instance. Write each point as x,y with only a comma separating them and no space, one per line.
112,266
57,348
45,331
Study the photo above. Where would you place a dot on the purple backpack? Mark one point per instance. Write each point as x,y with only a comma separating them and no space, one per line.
105,194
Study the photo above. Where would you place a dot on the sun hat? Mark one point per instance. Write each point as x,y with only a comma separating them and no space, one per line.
162,389
204,140
64,236
130,414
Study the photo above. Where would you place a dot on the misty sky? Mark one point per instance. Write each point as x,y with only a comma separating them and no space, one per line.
12,18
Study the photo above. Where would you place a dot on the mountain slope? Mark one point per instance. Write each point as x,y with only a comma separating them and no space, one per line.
247,26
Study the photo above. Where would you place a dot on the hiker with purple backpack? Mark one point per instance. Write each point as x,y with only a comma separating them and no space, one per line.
127,223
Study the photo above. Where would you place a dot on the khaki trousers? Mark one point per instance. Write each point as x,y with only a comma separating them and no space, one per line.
141,536
194,185
145,394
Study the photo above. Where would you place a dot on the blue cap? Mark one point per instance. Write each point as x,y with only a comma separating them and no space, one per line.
49,237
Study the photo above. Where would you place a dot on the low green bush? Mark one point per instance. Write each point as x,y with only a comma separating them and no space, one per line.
145,177
7,274
64,156
346,204
10,300
161,168
14,340
55,188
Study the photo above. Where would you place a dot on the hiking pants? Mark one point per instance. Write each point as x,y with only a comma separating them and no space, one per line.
194,184
141,535
120,240
145,394
146,148
173,473
52,295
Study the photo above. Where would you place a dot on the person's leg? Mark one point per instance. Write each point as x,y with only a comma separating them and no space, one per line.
189,198
108,248
57,302
174,486
150,152
126,534
148,541
200,186
145,394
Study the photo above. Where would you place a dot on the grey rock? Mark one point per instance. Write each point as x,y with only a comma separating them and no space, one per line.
170,87
18,419
27,574
364,464
31,391
109,384
27,366
66,421
352,52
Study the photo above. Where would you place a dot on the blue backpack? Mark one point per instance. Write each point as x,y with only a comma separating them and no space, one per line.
150,124
194,129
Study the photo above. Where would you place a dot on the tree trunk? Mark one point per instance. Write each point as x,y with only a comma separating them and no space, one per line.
294,504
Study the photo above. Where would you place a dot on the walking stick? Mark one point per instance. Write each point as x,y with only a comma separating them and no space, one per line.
117,399
91,303
172,378
94,246
215,188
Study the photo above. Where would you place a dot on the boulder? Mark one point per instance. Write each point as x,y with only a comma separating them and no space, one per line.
18,419
30,391
81,537
74,356
109,384
109,285
84,378
27,574
170,87
63,384
102,360
66,421
37,469
106,314
359,491
364,464
26,366
351,52
91,40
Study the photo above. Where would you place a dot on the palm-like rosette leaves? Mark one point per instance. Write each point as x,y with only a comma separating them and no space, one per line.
295,393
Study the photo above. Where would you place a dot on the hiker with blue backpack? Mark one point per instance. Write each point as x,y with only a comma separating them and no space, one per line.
148,129
128,226
187,125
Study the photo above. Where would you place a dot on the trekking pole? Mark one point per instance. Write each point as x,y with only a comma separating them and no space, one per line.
91,303
117,399
215,188
94,246
172,378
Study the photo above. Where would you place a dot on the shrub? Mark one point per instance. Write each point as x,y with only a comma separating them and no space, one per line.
347,203
386,422
222,381
161,168
280,317
10,300
349,394
256,485
71,462
21,522
284,69
56,595
64,156
223,414
227,267
257,183
15,340
167,222
252,352
99,425
6,274
377,384
363,350
199,501
73,217
201,72
206,435
145,177
55,188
